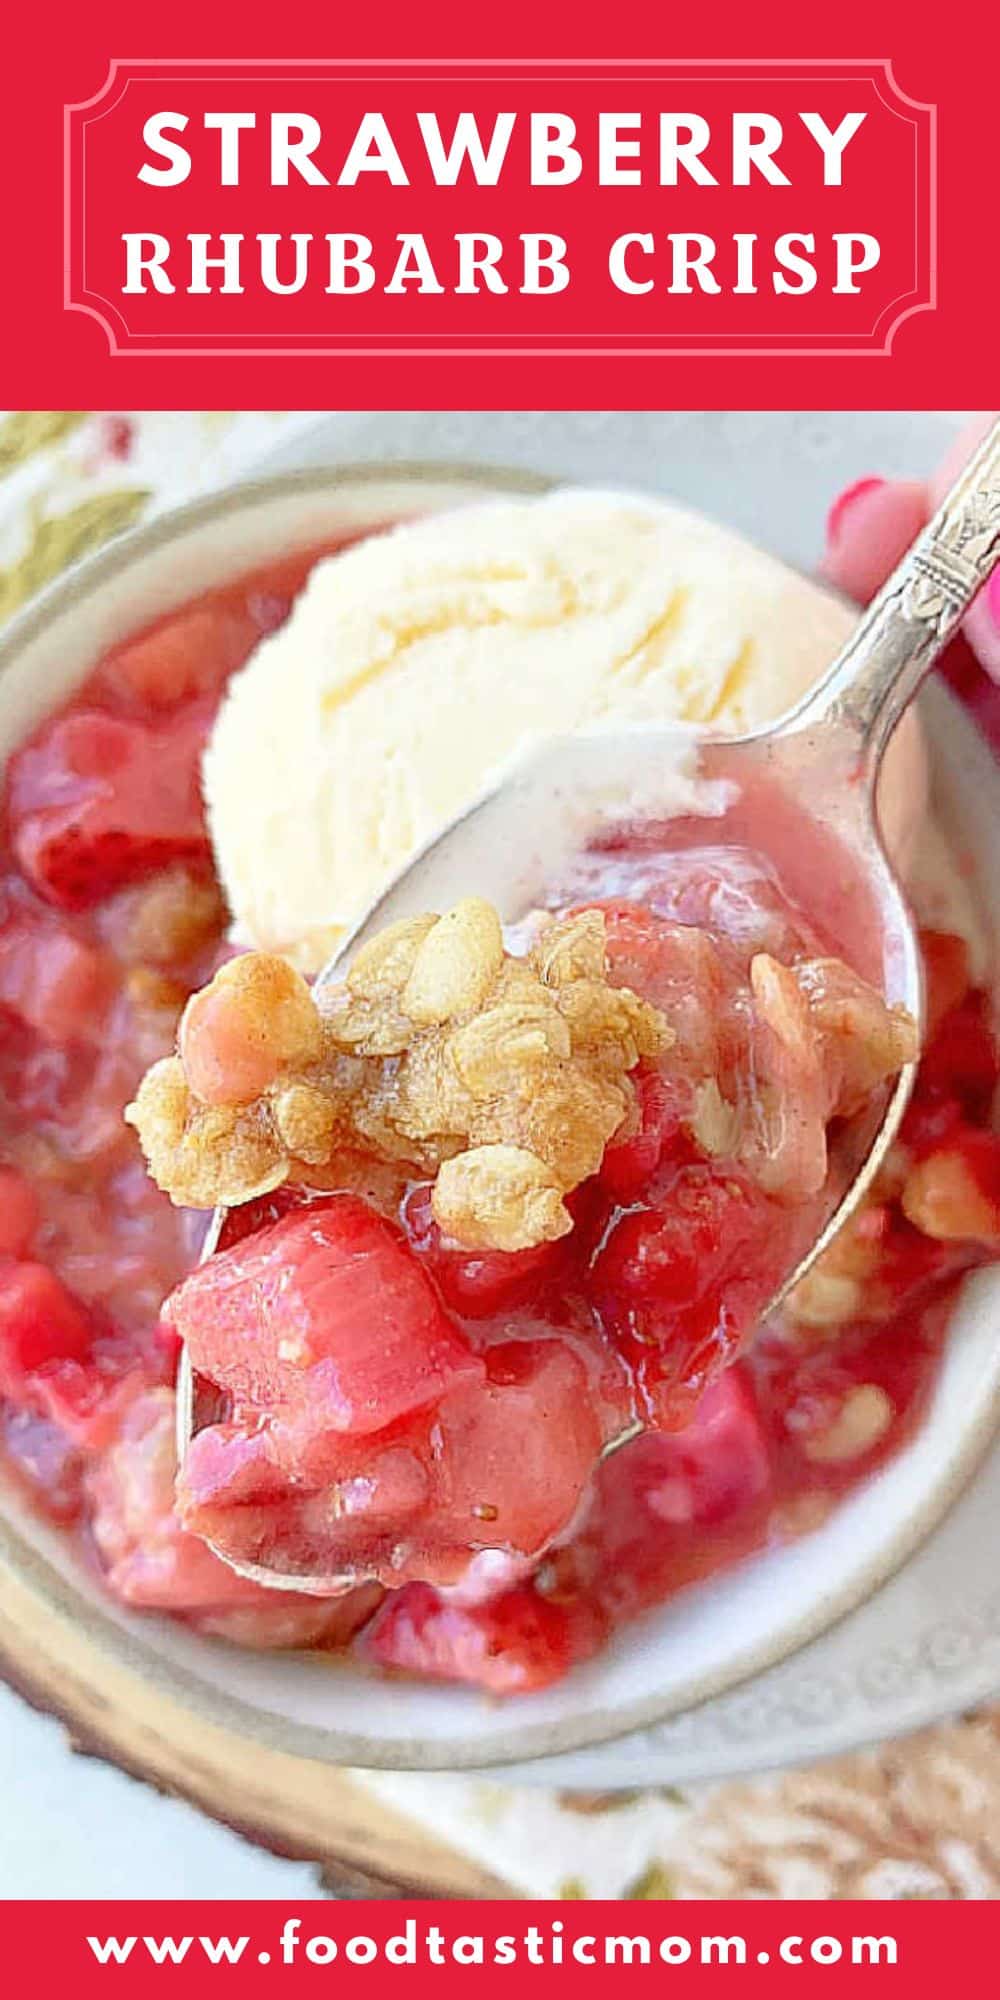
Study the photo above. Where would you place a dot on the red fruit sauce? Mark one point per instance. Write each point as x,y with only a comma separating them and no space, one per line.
464,1395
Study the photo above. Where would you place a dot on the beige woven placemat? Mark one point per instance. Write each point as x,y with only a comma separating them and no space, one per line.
919,1817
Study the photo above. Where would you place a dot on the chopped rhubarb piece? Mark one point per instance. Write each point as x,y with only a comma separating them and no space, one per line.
515,1644
375,1485
329,1507
84,1398
517,1451
45,1460
275,1535
680,969
20,1213
96,802
477,1283
499,1465
151,1562
278,1621
327,1312
148,1558
187,655
191,653
53,981
40,1321
227,1465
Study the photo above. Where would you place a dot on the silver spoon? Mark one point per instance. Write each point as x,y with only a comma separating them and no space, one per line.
824,755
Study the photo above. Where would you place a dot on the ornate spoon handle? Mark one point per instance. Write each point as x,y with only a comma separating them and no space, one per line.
916,611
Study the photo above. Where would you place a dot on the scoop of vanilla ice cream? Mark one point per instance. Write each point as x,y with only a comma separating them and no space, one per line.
417,663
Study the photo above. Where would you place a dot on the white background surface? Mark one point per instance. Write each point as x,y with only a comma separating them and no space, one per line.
71,1827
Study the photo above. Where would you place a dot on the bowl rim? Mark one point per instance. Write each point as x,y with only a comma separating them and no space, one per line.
523,1742
61,592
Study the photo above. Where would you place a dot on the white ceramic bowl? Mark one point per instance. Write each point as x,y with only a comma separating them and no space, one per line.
714,1636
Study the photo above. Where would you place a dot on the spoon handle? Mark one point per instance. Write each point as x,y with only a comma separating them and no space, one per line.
916,612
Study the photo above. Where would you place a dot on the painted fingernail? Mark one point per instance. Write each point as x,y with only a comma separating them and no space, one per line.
844,503
872,524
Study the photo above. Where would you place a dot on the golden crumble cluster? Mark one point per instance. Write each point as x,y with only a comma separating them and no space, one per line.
504,1077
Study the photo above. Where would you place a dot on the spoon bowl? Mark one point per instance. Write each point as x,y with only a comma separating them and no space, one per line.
822,759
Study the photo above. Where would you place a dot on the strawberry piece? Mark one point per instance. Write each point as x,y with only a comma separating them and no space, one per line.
680,1286
932,1117
714,1468
329,1313
477,1283
801,1390
679,968
514,1644
655,1136
56,1357
40,1322
668,1509
946,973
961,1059
96,802
957,1075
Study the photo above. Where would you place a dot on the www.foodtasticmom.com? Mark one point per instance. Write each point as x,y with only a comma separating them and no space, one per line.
417,1943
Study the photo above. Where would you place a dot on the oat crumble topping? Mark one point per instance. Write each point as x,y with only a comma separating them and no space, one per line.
504,1077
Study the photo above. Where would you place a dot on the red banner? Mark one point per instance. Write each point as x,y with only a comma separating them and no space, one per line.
543,209
440,207
717,1947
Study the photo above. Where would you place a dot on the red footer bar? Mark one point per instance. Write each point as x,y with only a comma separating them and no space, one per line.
208,1947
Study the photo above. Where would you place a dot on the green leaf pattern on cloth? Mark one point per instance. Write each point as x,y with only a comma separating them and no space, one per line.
57,540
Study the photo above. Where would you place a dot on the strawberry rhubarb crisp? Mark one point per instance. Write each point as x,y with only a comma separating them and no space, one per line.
496,1202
